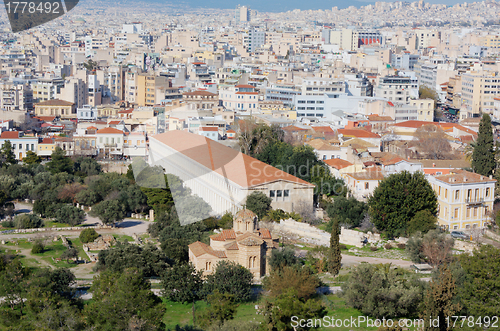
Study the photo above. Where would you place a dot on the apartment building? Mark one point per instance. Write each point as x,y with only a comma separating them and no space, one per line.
465,199
16,96
242,98
320,86
201,99
425,109
480,86
147,87
20,144
395,88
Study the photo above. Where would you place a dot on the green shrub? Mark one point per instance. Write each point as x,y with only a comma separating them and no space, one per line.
401,246
343,247
88,235
373,248
387,246
28,221
37,248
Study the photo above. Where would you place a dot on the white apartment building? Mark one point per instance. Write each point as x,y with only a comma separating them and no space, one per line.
109,141
320,86
395,88
16,96
20,143
241,98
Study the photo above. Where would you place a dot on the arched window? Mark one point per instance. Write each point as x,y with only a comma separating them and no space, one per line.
250,262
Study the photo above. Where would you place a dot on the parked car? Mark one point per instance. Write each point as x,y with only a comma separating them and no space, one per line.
459,235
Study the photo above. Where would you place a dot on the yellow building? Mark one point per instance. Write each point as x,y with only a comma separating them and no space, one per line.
147,86
425,109
465,199
491,41
479,88
55,107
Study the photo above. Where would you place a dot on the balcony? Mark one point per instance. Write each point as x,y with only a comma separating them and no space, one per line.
474,201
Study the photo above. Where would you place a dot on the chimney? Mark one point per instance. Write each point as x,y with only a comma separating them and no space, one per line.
481,178
465,179
491,176
433,165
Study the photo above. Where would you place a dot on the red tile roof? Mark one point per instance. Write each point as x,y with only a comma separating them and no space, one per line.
240,168
201,93
323,129
357,133
338,163
198,248
224,235
244,86
208,128
10,135
109,130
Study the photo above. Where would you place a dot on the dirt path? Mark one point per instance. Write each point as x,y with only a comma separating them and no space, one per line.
353,260
27,253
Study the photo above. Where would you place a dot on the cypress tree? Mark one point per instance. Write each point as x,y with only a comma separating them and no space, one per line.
483,157
334,255
439,300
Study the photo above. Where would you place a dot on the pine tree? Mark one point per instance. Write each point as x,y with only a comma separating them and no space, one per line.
334,255
7,153
439,300
483,156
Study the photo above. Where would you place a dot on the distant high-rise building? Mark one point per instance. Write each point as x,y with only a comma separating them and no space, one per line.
242,14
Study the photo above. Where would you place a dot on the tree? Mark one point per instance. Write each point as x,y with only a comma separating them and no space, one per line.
436,247
425,92
70,253
59,162
334,254
278,312
326,184
221,307
480,292
231,278
32,158
70,215
109,211
149,260
414,248
398,198
381,291
282,258
432,142
28,221
182,283
259,203
347,210
88,235
122,300
294,277
483,156
7,153
87,197
86,166
438,300
38,247
423,221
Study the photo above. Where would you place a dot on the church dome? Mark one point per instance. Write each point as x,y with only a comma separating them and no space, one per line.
245,213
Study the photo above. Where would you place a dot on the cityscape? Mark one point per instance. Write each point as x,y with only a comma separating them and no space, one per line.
250,166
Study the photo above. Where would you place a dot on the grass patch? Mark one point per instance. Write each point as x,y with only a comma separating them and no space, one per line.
123,237
337,309
54,224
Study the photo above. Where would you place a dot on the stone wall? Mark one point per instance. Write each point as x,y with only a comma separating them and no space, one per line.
466,246
75,228
492,235
313,235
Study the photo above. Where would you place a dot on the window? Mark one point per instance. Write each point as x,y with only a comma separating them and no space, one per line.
455,227
487,192
446,193
286,194
468,212
455,214
367,186
475,212
272,193
457,195
32,147
279,193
